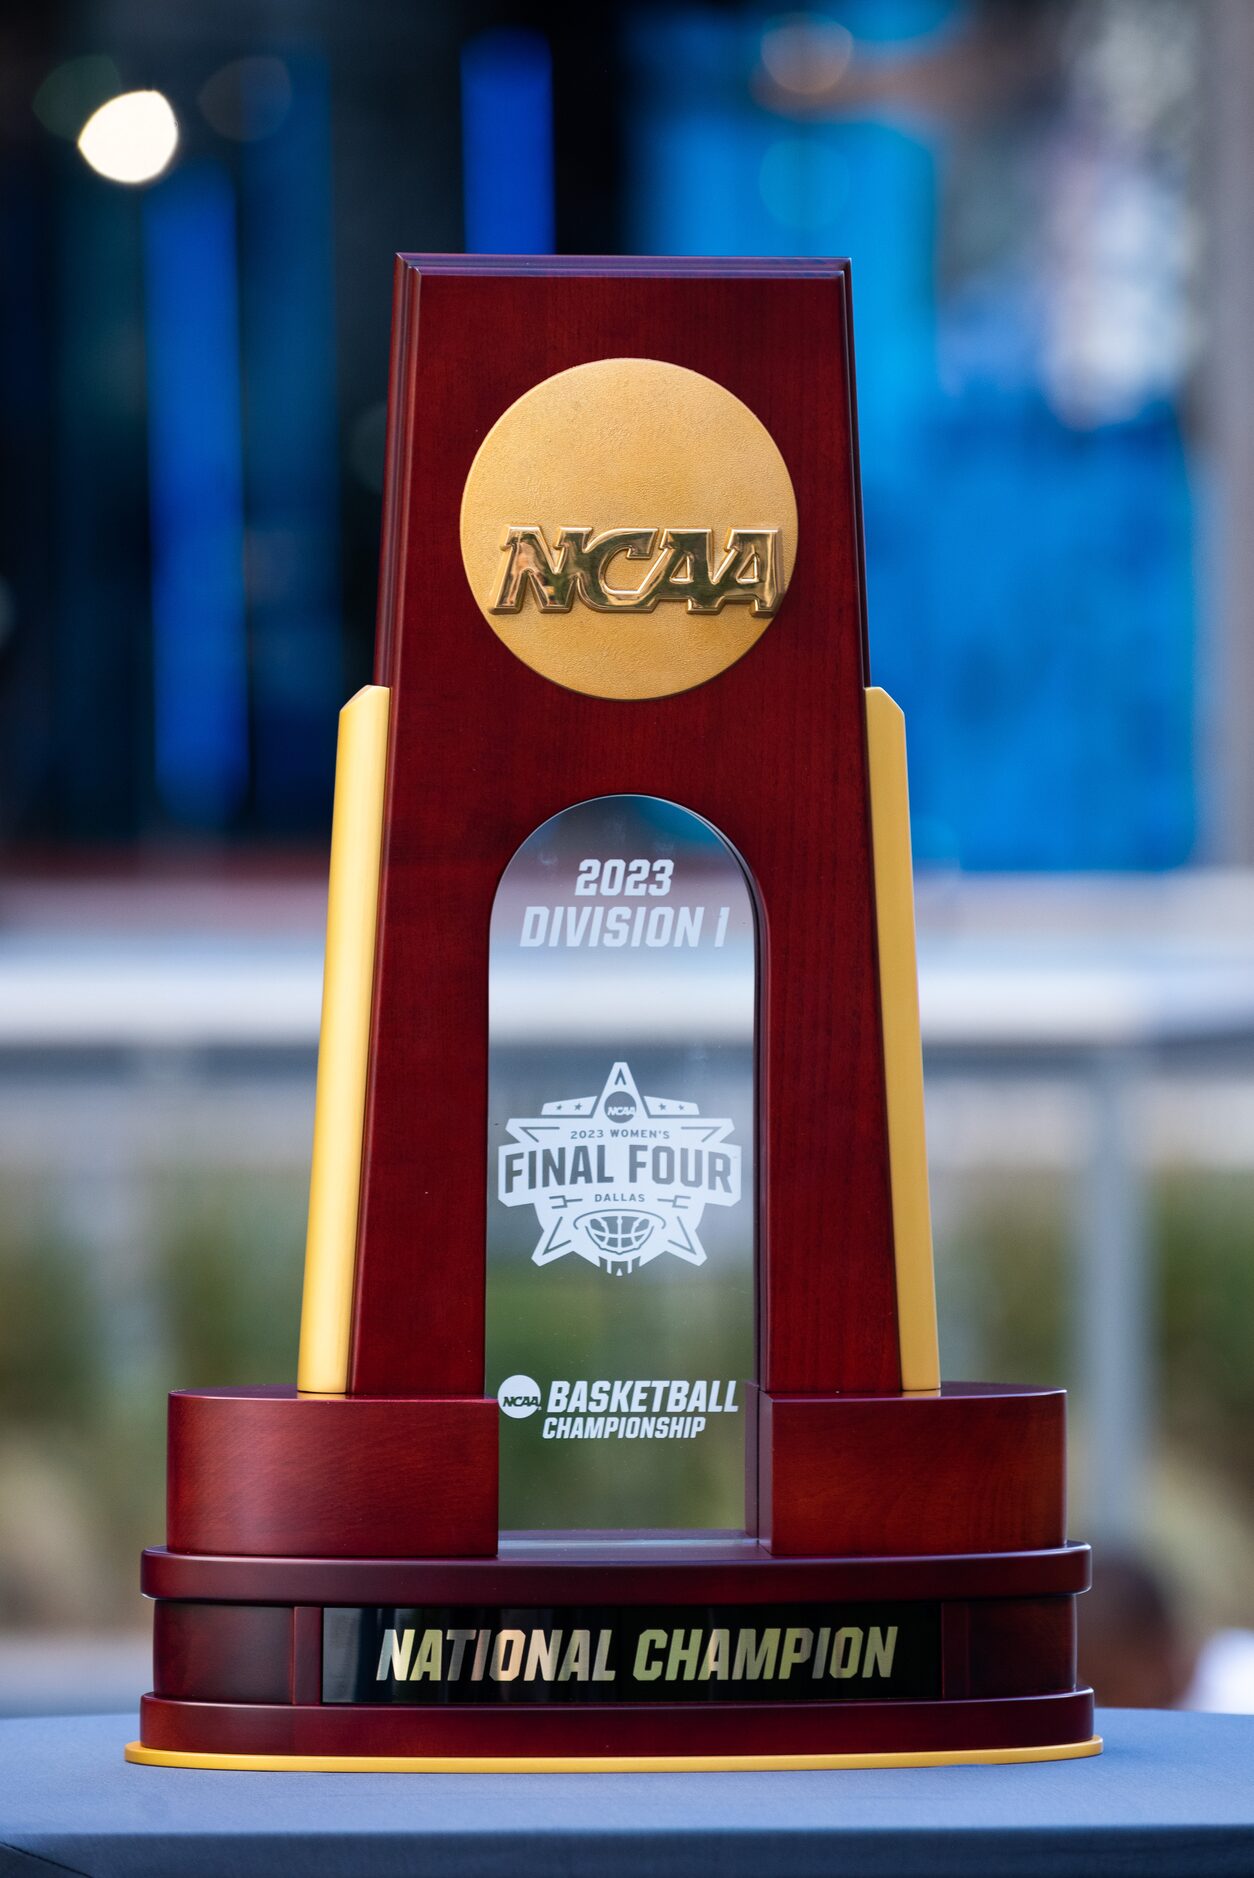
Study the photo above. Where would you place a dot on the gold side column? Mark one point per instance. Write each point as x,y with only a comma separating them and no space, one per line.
344,1043
903,1050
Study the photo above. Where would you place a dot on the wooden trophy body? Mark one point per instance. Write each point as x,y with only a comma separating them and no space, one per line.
622,575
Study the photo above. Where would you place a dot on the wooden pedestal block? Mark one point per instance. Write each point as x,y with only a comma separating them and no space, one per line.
976,1467
268,1471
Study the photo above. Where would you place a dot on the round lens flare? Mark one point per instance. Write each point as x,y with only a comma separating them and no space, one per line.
131,138
806,54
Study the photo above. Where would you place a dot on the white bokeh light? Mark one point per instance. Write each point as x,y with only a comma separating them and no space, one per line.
131,138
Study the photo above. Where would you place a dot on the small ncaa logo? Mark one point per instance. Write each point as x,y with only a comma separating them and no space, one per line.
619,1178
518,1397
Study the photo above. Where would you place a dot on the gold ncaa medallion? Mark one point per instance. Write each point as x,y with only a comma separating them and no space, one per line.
628,528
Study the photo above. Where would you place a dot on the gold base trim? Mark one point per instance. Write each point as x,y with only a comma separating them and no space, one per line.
603,1764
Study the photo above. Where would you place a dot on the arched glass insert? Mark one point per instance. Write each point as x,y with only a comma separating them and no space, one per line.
621,1170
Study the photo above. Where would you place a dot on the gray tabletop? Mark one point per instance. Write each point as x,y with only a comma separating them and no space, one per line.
1172,1794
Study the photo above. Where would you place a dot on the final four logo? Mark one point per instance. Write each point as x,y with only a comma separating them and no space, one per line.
619,1178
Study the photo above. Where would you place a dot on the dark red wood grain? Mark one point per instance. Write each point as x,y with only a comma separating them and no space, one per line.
977,1467
1017,1646
305,1681
483,750
267,1471
222,1652
956,1652
691,1728
571,1574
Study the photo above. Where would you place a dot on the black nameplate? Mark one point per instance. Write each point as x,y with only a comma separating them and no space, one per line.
439,1654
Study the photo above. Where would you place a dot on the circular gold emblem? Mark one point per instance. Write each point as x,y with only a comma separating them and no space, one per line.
628,528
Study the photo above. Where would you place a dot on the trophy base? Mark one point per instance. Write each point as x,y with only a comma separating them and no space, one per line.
573,1653
604,1764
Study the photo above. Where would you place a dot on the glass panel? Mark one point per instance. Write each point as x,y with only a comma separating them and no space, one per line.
621,1215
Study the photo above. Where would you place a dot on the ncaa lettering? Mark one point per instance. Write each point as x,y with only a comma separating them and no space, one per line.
683,566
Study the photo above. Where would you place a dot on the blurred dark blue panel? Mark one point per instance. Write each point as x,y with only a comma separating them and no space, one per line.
98,708
1031,582
1032,598
27,445
200,684
507,143
291,455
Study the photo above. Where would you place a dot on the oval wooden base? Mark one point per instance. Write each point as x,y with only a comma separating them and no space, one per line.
752,1731
932,1526
239,1659
592,1569
592,1764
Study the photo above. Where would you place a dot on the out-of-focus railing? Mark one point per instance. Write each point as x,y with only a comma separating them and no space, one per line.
143,1022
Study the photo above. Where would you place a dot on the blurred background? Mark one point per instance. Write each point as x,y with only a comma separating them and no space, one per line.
1047,204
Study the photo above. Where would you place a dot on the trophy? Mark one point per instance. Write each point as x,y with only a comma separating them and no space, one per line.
618,1439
